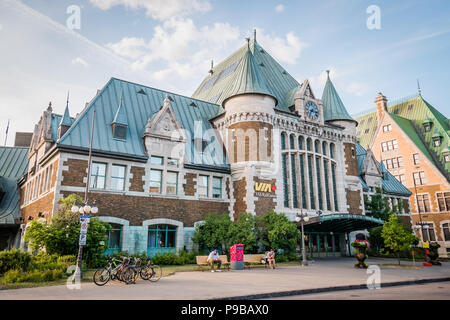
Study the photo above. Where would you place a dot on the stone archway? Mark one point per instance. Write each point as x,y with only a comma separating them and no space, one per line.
163,221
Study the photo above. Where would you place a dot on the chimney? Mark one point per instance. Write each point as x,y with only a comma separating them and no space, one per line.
381,103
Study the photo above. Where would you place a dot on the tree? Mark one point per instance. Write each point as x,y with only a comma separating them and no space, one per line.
213,233
62,235
377,206
243,231
375,238
397,236
277,232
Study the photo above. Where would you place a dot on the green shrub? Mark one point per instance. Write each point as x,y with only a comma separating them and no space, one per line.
168,259
14,259
17,276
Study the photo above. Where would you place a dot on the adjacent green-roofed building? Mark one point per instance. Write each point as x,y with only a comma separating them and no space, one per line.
333,108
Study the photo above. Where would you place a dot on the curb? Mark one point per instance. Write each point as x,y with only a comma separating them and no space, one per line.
330,289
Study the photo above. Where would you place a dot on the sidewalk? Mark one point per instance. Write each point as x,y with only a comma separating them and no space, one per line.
323,273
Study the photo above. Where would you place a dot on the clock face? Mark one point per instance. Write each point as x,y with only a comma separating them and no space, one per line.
312,110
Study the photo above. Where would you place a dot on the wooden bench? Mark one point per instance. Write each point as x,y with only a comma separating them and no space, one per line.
202,261
250,259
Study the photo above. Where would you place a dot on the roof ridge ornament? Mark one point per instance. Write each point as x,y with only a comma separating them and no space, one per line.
418,88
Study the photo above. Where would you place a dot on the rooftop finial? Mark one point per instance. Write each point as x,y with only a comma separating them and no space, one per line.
67,103
211,71
328,73
418,88
254,35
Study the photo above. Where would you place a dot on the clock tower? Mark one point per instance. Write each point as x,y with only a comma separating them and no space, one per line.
307,106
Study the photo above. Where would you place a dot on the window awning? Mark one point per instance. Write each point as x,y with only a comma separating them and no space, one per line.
341,223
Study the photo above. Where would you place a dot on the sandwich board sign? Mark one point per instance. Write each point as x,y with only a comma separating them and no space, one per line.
84,220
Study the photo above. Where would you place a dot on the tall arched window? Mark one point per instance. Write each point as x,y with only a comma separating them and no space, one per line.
283,141
332,150
324,148
308,144
317,146
300,142
292,141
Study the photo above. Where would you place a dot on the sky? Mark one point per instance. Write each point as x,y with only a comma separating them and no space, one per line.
51,47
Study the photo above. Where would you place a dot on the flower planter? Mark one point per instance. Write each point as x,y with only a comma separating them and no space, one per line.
361,247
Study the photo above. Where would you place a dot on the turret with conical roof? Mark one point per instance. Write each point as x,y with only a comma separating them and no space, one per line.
333,108
65,122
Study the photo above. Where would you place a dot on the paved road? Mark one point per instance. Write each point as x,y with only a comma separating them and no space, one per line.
206,285
433,291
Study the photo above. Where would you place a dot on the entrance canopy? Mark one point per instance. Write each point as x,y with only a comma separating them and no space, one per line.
341,223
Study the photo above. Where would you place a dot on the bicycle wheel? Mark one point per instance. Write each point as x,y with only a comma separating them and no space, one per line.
129,275
156,273
145,273
101,276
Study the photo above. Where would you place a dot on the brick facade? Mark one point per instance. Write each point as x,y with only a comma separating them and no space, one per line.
138,209
189,186
239,192
353,201
75,174
137,182
264,204
350,159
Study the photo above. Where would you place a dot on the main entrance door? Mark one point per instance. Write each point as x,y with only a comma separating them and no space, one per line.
323,244
161,239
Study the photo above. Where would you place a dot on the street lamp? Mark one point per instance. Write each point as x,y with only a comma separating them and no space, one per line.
302,218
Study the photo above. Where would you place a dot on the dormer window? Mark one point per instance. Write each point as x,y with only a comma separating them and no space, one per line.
447,157
427,127
437,141
119,131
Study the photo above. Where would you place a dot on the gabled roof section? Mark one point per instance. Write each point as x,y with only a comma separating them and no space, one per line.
333,108
66,120
277,80
120,117
13,165
246,78
389,183
139,108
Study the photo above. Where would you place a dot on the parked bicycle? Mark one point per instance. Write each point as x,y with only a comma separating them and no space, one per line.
115,269
144,268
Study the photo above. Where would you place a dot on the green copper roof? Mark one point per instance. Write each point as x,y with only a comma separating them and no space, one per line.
333,108
66,120
389,183
247,78
409,114
13,165
215,87
140,104
290,95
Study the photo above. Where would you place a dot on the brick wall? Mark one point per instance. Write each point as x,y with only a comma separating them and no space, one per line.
350,159
138,209
249,140
44,204
136,182
354,201
239,193
189,186
75,174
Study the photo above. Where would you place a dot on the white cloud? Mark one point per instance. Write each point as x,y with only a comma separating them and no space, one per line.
279,8
357,88
287,49
179,49
158,9
80,61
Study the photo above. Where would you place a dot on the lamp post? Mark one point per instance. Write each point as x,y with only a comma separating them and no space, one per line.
302,218
85,208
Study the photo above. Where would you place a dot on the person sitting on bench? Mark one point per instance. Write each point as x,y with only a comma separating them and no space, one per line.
213,258
271,259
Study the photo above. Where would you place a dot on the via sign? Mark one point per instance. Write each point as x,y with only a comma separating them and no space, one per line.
263,189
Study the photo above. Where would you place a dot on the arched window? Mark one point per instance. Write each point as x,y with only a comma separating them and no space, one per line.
283,141
317,146
324,148
292,141
114,236
162,238
332,150
308,144
300,142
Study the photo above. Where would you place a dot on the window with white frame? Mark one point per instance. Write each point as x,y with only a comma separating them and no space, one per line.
428,232
419,178
172,162
156,160
202,186
424,203
217,187
155,181
443,199
446,231
172,182
416,158
98,175
118,173
387,128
